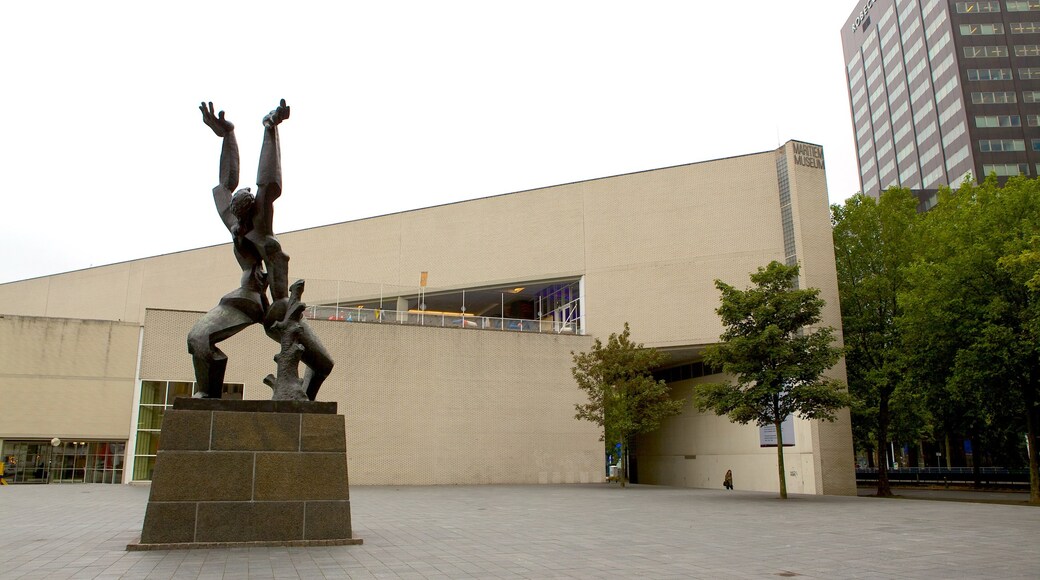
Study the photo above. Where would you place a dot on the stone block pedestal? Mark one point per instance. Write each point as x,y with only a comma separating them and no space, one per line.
249,473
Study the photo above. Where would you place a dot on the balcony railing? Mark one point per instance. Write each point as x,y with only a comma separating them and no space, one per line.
441,319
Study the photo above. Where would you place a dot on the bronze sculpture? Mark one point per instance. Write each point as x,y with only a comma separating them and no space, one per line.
264,266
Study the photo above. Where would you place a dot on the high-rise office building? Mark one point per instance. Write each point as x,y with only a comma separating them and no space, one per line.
942,89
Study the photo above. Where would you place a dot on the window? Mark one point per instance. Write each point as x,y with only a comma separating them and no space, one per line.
1031,96
1029,74
1027,50
989,74
1033,120
957,157
1006,169
990,121
1025,27
949,136
1023,6
994,97
985,51
156,397
948,112
973,7
982,29
929,154
1001,145
1034,144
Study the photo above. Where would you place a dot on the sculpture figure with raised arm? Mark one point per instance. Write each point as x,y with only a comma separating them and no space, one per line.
264,265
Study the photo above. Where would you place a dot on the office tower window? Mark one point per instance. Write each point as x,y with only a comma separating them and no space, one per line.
1034,144
1027,50
989,74
985,51
981,29
1006,169
1023,6
1029,74
989,121
973,7
1001,145
1033,120
993,97
1025,27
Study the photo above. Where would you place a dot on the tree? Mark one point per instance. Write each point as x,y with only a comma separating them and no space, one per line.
972,310
874,243
624,398
777,360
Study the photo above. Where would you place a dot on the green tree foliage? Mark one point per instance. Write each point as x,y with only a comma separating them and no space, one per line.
777,360
874,243
971,321
624,398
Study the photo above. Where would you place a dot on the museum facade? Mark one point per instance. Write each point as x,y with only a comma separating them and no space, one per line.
452,328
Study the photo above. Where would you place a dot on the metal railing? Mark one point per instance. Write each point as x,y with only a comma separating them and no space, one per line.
440,319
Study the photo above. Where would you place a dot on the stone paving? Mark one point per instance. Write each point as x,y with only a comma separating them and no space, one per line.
552,531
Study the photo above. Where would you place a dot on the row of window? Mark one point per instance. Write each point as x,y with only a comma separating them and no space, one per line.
1003,74
992,28
994,6
1000,51
1002,97
1007,169
1005,145
991,121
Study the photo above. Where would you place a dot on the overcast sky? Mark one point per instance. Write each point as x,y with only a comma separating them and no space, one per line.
395,106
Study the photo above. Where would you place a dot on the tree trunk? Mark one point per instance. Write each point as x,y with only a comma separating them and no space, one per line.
949,452
780,458
976,469
1032,418
884,488
623,463
870,457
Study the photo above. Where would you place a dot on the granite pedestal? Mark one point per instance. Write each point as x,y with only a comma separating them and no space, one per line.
249,473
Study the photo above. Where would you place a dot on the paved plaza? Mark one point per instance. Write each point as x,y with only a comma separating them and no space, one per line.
555,531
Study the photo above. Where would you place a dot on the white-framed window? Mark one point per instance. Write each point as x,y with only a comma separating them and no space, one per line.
1026,6
974,7
985,51
990,74
1006,169
994,97
1033,120
1001,145
990,121
1029,74
1027,50
982,29
1024,28
1031,96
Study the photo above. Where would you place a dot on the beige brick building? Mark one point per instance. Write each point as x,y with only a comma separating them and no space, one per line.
466,379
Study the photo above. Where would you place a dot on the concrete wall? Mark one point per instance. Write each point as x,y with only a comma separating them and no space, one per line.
425,405
695,450
649,246
66,378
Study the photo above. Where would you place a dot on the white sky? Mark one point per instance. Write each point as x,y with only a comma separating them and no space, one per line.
395,106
